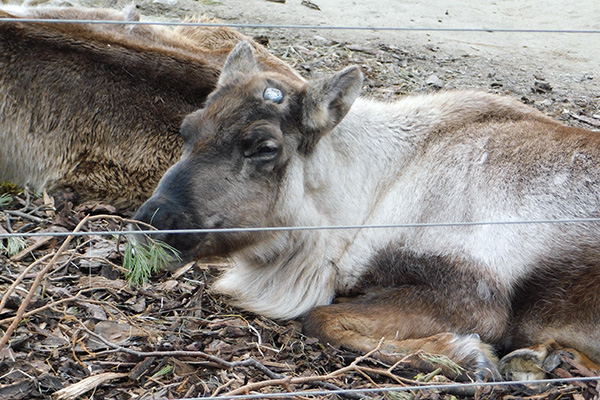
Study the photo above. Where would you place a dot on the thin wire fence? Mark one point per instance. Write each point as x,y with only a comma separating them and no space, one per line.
308,27
304,228
365,391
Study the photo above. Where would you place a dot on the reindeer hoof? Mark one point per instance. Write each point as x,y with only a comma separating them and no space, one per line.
479,358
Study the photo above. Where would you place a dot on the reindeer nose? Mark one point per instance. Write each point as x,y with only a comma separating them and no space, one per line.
157,211
154,212
164,213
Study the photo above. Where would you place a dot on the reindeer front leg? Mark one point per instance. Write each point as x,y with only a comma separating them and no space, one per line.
342,325
438,306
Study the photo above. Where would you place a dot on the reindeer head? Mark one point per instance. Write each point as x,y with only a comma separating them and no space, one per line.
238,149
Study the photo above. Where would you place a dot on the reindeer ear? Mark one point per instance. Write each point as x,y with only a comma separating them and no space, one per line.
329,99
241,59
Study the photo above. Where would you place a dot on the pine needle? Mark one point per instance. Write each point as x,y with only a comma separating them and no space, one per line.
141,260
13,245
5,199
442,361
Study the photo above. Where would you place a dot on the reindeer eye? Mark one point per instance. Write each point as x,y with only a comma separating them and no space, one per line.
273,94
264,150
267,149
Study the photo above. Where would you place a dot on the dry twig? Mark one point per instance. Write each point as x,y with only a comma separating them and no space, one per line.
250,362
20,278
36,284
75,390
41,275
284,381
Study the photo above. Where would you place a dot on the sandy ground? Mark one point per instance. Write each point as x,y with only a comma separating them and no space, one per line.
569,62
555,51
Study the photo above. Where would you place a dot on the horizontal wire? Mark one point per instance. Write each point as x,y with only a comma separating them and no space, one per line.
303,228
397,389
272,26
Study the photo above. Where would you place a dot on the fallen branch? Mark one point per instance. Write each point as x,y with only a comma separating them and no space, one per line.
24,215
20,278
77,297
36,284
285,381
41,275
249,362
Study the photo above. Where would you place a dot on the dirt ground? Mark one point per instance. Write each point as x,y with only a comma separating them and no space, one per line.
172,338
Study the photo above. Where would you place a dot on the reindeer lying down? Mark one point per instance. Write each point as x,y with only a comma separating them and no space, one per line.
270,151
97,108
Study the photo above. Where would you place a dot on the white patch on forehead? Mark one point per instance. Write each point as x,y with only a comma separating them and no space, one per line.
561,178
273,94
